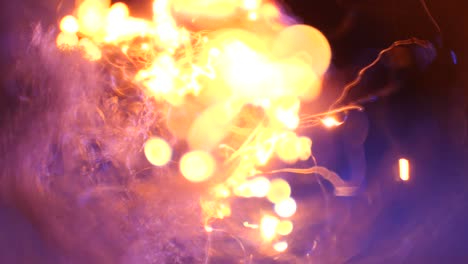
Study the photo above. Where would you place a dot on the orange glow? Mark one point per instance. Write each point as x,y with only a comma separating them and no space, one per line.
91,16
270,11
230,78
313,47
197,166
286,208
157,151
208,229
404,169
291,148
284,228
249,225
279,191
281,246
66,40
118,11
205,8
92,52
268,226
251,4
69,24
257,187
331,122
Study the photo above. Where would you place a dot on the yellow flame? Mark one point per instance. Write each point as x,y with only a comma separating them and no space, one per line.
66,40
208,80
257,187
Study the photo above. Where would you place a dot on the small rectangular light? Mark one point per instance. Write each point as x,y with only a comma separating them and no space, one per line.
404,169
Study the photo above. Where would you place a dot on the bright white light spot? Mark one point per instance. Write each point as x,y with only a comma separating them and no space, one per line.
286,208
330,122
268,226
281,246
404,169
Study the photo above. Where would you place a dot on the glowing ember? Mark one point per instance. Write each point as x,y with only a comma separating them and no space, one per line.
331,122
232,92
158,152
404,169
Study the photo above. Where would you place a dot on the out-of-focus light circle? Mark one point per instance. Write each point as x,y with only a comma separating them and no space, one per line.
286,148
197,166
69,24
268,226
281,246
307,43
284,228
66,40
286,208
260,187
212,126
117,12
257,187
205,8
92,52
157,151
304,147
91,16
279,191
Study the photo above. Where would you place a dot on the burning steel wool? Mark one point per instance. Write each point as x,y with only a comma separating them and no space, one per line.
175,138
228,78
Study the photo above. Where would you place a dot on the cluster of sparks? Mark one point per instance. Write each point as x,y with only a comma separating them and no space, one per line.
212,64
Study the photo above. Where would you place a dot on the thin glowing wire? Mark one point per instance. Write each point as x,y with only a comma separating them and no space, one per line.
357,80
334,111
431,17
